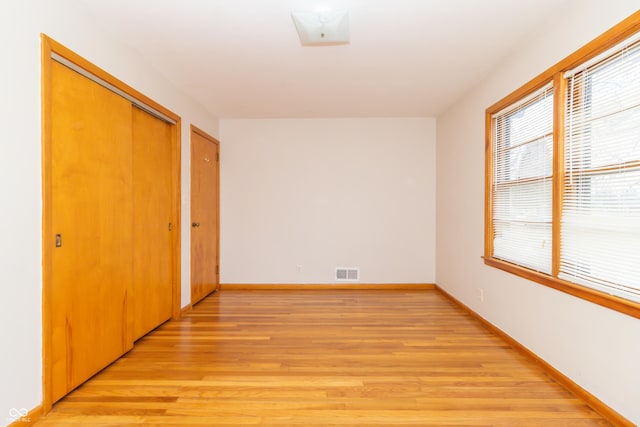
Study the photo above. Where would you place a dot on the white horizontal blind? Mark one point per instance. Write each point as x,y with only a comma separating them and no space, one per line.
600,224
522,186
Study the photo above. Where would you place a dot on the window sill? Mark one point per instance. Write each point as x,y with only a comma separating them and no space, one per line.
621,305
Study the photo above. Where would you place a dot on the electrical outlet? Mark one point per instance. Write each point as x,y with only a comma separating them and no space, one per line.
299,267
481,294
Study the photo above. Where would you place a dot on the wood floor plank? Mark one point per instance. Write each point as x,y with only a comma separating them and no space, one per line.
323,357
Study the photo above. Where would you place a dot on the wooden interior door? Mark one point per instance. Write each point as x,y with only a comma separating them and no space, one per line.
204,214
91,187
151,296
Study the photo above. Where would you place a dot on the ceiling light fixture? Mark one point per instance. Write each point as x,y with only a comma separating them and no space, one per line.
324,27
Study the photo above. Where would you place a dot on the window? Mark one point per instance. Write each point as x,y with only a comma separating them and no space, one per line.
522,172
563,174
600,223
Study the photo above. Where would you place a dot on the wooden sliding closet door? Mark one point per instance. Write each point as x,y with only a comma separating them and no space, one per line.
91,184
151,301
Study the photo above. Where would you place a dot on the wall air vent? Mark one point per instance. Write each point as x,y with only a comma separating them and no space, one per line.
347,274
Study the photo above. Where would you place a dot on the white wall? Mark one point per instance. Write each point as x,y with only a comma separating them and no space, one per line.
314,193
300,197
596,347
21,23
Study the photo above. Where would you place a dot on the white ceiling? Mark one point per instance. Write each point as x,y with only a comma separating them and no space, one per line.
243,58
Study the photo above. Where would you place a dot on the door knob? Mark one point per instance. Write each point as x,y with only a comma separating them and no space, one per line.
195,224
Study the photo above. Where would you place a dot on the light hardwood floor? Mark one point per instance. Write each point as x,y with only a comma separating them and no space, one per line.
322,357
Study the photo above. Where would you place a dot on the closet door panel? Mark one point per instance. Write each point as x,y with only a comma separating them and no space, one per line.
152,201
92,219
